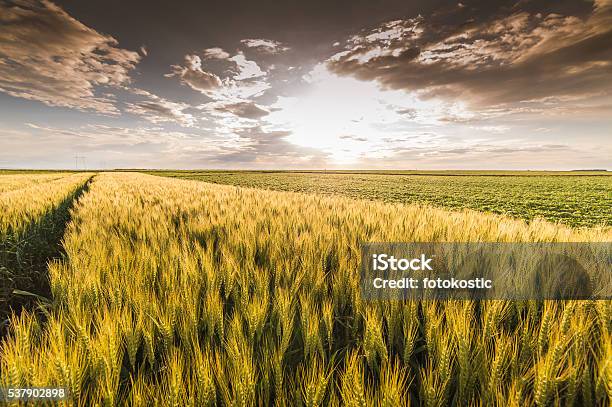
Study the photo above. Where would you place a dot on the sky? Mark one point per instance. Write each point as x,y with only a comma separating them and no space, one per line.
315,84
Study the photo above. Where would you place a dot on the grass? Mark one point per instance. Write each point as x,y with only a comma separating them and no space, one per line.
578,200
177,292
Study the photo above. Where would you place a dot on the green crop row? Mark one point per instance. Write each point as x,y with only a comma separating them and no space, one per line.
572,200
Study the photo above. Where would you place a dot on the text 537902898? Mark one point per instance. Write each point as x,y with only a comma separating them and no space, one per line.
32,393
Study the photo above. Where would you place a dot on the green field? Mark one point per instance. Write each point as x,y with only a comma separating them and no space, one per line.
572,198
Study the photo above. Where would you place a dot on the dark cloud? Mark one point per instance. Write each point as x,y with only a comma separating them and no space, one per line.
506,59
48,56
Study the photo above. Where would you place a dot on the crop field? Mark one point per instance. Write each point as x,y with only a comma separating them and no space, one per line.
572,198
33,211
186,293
18,181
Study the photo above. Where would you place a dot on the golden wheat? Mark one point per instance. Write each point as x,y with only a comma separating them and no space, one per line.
185,293
19,181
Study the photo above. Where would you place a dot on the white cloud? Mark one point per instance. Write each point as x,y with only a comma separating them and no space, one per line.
215,53
246,69
193,76
159,110
264,45
106,146
243,79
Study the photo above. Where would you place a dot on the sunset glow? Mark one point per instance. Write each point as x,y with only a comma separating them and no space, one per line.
459,85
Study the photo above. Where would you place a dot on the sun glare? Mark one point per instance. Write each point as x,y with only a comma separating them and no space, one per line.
347,118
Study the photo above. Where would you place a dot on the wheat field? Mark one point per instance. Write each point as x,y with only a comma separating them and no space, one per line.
19,181
176,292
33,211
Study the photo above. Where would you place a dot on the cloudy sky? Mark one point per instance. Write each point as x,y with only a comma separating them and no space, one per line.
306,84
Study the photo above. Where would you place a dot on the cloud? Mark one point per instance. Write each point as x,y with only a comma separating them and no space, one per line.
541,148
499,129
408,112
48,56
335,109
245,69
153,147
193,76
215,53
162,111
264,45
504,60
354,138
263,147
232,88
246,109
516,148
241,79
259,146
105,146
449,153
61,132
159,110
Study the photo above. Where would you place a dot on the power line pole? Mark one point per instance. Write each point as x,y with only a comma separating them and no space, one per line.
76,162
